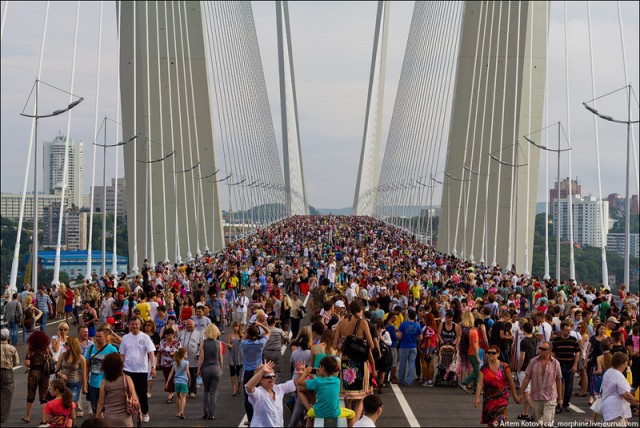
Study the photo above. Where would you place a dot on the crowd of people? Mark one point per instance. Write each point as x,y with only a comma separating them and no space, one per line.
361,304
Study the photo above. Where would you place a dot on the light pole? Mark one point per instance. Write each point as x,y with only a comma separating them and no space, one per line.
627,202
558,151
104,200
35,116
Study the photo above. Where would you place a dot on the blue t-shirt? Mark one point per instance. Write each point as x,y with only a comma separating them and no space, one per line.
410,331
252,351
180,373
328,396
392,333
96,375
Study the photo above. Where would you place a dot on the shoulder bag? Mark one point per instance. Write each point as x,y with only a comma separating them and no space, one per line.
355,348
133,405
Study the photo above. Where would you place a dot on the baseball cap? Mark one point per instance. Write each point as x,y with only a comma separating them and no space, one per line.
613,320
340,304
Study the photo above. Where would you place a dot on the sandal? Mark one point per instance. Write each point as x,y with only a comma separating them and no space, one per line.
26,421
169,400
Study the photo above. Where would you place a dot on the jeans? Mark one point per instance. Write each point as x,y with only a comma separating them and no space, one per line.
92,397
140,384
75,389
13,333
43,321
248,408
6,389
473,377
210,381
407,357
567,380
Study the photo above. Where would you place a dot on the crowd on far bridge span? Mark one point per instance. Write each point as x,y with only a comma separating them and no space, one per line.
359,303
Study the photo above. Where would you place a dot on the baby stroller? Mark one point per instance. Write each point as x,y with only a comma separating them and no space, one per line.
118,322
446,370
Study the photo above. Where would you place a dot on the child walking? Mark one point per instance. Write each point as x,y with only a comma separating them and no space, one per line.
60,412
180,371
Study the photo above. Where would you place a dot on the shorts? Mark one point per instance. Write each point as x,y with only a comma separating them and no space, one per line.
240,317
344,413
394,356
235,370
521,375
181,388
68,309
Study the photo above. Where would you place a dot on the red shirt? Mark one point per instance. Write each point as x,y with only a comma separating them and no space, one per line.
68,297
402,287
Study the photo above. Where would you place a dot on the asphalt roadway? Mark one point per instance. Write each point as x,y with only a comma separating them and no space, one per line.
403,406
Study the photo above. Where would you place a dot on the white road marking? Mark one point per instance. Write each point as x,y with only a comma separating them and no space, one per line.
411,418
576,408
244,419
16,367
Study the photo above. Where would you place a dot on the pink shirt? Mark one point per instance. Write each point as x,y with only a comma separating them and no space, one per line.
543,389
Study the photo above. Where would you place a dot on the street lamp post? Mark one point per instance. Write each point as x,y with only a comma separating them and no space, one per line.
104,201
557,222
34,255
627,202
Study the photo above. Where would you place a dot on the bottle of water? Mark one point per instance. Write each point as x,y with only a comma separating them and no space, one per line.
199,381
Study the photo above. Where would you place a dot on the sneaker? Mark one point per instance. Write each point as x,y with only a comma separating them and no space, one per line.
566,409
145,418
148,395
429,383
465,388
192,395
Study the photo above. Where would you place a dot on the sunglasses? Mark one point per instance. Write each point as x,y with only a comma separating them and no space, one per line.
63,329
544,349
492,353
269,376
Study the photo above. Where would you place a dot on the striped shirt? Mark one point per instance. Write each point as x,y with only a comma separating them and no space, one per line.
543,388
42,302
565,350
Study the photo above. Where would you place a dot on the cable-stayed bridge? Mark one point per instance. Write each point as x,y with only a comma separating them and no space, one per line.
469,118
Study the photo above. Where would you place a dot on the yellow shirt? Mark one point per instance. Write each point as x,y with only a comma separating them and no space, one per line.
415,289
144,309
399,320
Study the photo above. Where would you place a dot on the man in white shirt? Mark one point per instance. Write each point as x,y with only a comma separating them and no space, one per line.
266,397
372,410
201,322
240,311
331,271
137,350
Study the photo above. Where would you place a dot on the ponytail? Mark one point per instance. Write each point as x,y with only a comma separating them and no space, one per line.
67,398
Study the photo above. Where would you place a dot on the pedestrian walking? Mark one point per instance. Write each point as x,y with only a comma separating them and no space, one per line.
9,360
180,376
236,359
38,359
95,356
545,375
13,313
191,339
494,383
116,385
210,364
138,352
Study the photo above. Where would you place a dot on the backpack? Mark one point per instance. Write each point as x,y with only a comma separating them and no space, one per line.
464,341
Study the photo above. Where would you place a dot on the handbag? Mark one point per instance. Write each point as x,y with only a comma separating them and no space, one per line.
355,348
48,367
133,405
596,407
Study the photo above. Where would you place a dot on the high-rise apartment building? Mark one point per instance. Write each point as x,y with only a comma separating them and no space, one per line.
587,222
10,205
576,189
74,228
53,160
98,197
615,243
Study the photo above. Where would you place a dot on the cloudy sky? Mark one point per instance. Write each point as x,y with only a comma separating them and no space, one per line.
332,44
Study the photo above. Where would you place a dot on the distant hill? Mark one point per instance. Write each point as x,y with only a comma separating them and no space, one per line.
335,211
